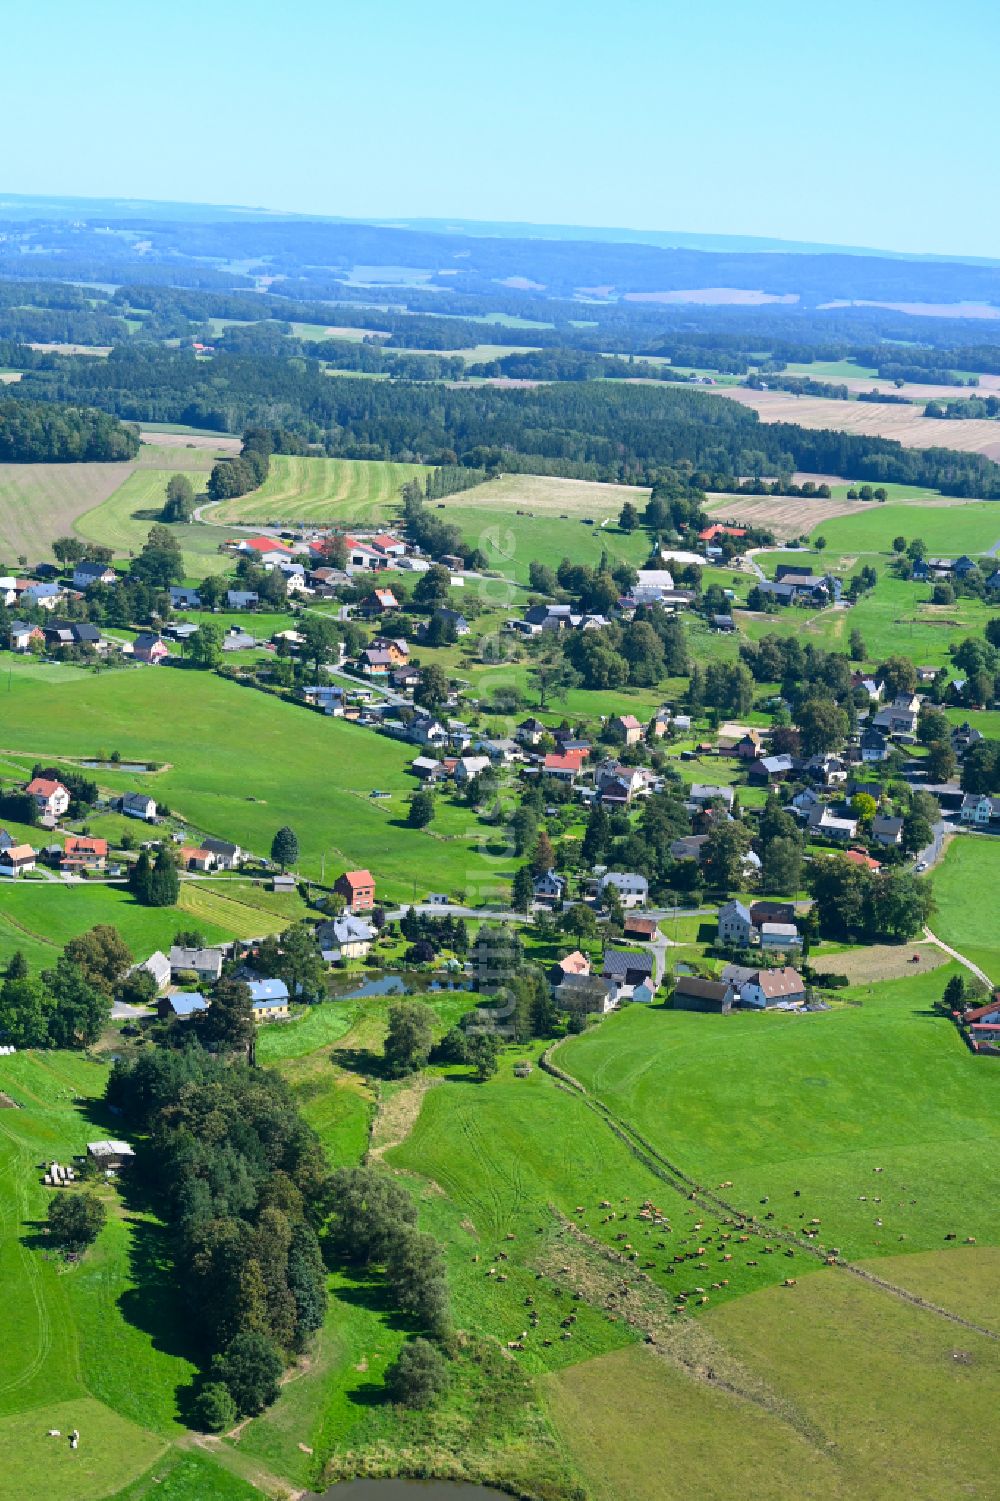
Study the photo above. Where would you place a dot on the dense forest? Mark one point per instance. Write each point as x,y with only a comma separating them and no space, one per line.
43,432
594,430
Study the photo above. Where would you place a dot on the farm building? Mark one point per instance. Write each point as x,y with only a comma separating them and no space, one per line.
110,1154
691,993
205,963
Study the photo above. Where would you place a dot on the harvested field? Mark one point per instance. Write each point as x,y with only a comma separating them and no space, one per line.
39,502
216,444
714,297
784,515
869,418
180,453
551,495
884,961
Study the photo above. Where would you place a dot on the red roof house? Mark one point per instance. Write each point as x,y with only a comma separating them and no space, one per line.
357,887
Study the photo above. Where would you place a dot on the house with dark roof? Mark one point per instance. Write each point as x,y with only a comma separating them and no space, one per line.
626,970
692,993
735,925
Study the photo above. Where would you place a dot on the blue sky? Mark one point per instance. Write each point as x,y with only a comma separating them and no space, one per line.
856,123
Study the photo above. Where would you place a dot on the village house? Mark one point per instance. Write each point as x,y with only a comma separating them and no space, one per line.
829,825
770,770
549,888
628,728
50,797
182,1005
60,633
781,936
566,766
626,970
659,725
735,926
80,853
770,987
149,648
688,847
227,856
345,937
642,929
887,830
963,738
157,965
874,745
205,964
22,634
43,596
570,964
590,995
357,887
379,602
242,599
704,793
652,585
184,598
17,860
691,993
268,999
89,572
979,810
194,858
139,805
468,768
749,746
632,888
530,731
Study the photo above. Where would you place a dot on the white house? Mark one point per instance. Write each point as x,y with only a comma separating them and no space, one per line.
768,987
632,888
979,810
51,798
468,768
139,805
205,963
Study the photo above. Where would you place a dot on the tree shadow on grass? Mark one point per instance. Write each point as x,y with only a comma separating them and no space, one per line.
362,1061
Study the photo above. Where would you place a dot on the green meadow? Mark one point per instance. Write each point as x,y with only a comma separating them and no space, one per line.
239,764
965,889
972,527
801,1111
322,491
122,522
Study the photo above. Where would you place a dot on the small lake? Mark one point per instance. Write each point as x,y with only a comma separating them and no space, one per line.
133,766
412,1490
396,985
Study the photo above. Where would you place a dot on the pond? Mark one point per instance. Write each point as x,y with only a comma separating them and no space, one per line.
133,766
397,985
412,1490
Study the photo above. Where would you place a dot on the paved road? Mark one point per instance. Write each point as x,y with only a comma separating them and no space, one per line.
932,853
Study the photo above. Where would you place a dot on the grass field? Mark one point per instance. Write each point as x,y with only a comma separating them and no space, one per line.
895,617
322,490
123,519
520,518
245,764
811,1362
39,502
77,1349
947,527
966,885
828,1104
39,918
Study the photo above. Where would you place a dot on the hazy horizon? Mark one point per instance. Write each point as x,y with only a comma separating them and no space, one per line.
863,131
